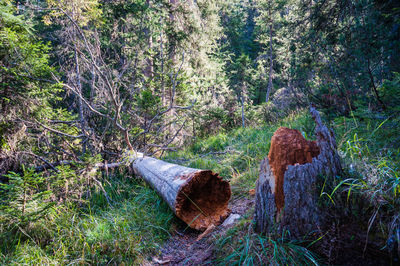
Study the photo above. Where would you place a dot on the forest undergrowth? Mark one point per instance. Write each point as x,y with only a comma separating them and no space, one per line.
362,219
125,221
121,224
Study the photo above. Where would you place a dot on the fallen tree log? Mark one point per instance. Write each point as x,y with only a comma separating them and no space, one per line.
286,191
198,197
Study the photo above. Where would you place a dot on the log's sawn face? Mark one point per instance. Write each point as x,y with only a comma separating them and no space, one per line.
202,201
288,147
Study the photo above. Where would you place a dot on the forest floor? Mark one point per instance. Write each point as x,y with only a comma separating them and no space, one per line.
186,247
350,237
138,228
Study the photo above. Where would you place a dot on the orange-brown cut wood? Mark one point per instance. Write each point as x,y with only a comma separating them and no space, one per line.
287,191
288,147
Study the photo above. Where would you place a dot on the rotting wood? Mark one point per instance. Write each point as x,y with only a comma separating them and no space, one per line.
198,197
286,191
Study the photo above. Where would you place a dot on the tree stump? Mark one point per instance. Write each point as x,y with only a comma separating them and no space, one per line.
286,191
198,197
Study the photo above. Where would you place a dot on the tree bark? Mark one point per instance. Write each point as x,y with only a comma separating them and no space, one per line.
271,65
149,69
80,104
374,86
198,197
287,191
242,106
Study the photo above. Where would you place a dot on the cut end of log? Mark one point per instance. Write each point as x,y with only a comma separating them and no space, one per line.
202,201
288,147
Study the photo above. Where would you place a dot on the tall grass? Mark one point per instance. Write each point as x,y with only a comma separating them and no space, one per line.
371,155
241,246
127,231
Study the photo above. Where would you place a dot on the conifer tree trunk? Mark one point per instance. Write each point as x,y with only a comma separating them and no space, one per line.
242,105
271,64
149,69
80,103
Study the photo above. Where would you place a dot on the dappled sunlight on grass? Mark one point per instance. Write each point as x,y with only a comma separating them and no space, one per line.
134,226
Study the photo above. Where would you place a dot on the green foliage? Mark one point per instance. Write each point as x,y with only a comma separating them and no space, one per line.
216,119
131,60
27,93
83,11
367,194
24,204
213,143
24,61
148,102
352,50
371,149
390,93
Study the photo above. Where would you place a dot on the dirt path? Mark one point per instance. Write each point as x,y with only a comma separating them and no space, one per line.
183,248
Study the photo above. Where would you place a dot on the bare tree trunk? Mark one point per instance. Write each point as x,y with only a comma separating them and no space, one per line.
271,59
242,104
198,197
287,192
172,57
149,61
80,103
172,42
149,71
382,104
163,99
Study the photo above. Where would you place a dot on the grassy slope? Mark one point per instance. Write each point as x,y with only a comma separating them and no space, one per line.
139,221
